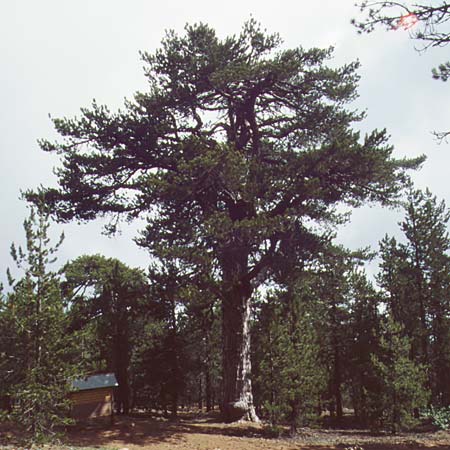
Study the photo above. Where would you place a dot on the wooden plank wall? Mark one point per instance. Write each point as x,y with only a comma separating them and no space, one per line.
92,403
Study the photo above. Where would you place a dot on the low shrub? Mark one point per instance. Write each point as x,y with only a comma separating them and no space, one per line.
440,416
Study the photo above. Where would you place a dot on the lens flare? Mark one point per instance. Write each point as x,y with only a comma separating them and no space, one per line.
406,22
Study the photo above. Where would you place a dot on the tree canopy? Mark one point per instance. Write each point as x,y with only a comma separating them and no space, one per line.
37,355
237,155
107,292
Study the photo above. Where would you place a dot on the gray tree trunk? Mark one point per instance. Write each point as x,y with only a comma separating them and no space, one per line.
237,385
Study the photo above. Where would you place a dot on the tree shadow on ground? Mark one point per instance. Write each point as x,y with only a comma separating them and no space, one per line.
128,430
144,430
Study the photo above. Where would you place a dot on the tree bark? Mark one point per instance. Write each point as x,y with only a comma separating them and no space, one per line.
208,387
337,370
337,380
237,387
295,413
200,393
121,361
237,399
121,346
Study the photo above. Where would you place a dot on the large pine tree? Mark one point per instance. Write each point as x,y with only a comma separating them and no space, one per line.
236,152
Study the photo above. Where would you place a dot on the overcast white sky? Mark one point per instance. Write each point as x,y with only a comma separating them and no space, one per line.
56,56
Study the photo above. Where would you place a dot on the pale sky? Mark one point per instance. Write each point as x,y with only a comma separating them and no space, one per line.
56,56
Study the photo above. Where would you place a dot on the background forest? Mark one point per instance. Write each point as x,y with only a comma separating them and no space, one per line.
325,338
242,160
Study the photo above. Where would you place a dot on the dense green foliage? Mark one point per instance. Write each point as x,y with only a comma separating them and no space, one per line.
38,356
402,387
107,295
364,327
291,371
241,156
416,278
440,416
237,155
325,338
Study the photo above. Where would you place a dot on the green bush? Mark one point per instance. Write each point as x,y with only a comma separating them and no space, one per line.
440,416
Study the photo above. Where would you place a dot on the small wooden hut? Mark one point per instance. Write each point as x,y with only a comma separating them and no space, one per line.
93,396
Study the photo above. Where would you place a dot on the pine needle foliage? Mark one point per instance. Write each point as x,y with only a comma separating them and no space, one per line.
403,381
37,354
291,374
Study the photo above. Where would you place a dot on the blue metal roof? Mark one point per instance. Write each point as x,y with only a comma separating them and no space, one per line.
103,380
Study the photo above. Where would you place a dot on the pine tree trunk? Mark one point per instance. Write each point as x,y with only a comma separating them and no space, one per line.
337,371
237,400
175,376
174,404
237,386
208,393
200,393
121,372
295,414
337,383
208,386
441,361
121,349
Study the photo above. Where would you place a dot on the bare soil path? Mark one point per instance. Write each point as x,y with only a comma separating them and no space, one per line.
200,433
206,433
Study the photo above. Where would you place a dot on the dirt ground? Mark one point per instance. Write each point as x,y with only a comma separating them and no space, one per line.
196,432
201,433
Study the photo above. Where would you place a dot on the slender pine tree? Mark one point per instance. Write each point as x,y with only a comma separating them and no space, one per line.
40,353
